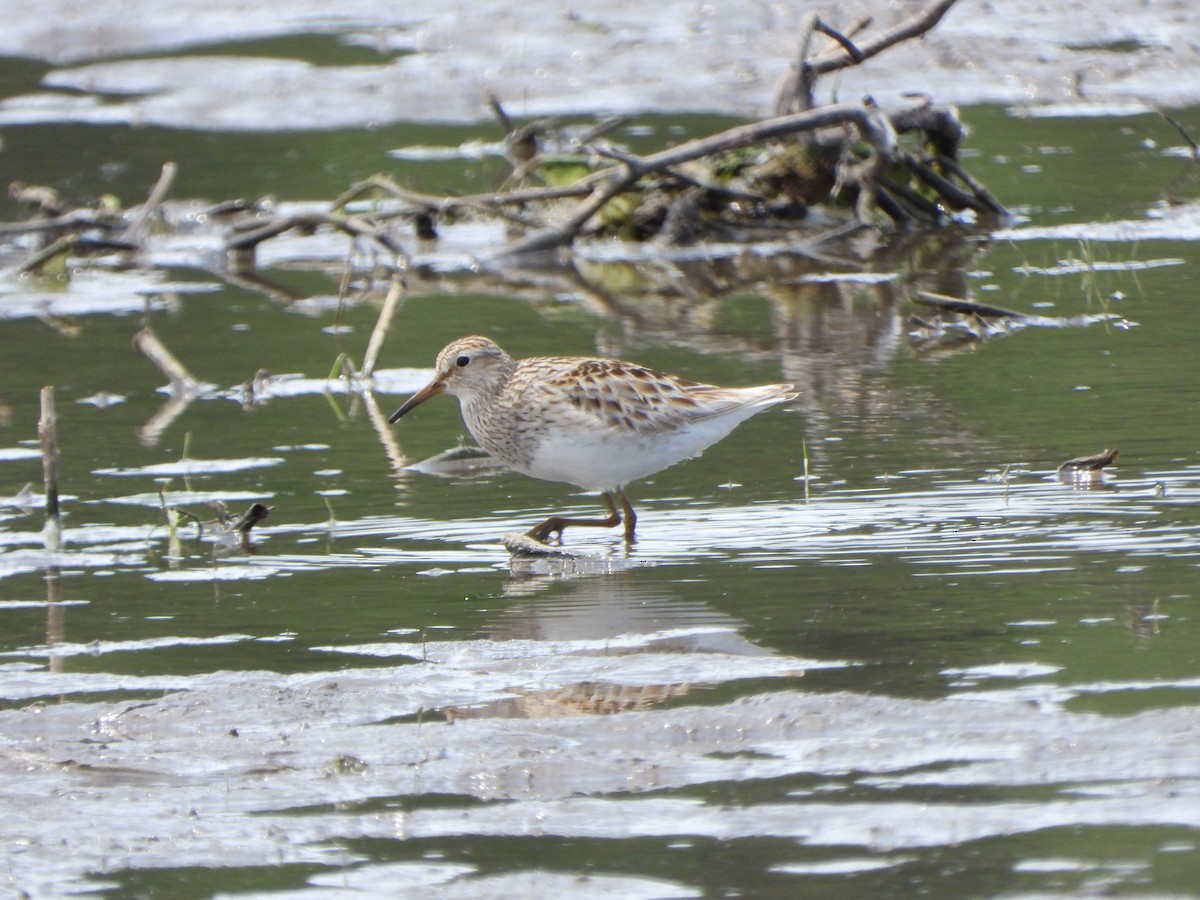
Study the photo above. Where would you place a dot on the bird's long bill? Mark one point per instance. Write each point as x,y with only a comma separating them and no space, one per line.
430,390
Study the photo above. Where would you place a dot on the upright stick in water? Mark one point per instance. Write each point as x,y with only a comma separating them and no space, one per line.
48,435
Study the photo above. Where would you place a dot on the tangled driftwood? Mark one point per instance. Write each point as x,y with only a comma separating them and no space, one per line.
843,156
860,165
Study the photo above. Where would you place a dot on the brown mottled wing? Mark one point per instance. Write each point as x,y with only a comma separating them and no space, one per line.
632,398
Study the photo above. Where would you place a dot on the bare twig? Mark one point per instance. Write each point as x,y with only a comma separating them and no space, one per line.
351,225
795,91
601,128
494,203
1184,134
848,45
153,202
75,220
395,295
174,513
38,261
668,173
565,233
501,115
868,121
181,379
940,125
967,307
914,26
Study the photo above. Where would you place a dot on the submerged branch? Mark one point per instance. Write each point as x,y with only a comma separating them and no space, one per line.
946,189
352,225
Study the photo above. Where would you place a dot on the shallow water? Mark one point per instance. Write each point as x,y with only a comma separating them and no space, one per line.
869,644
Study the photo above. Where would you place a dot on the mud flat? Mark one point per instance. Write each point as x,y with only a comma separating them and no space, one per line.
257,769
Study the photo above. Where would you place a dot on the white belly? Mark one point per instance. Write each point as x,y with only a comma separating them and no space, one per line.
610,461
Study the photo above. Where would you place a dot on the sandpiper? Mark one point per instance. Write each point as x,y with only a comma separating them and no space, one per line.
596,423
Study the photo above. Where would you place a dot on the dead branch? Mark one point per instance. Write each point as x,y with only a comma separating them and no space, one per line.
601,128
37,262
940,125
435,203
869,122
985,196
159,192
795,91
354,226
496,203
608,183
1183,133
967,307
848,45
915,26
54,218
892,192
74,220
946,189
396,293
561,235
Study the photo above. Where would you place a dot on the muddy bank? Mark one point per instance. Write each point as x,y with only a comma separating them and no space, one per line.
256,769
429,61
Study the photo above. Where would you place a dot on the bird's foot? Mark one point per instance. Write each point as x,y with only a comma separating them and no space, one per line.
552,528
524,546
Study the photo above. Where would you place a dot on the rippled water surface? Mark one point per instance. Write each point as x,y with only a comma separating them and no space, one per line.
871,644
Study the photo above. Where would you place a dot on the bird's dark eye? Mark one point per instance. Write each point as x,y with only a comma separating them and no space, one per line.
462,360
